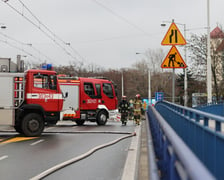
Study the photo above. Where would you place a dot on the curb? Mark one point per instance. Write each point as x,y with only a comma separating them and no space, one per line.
130,171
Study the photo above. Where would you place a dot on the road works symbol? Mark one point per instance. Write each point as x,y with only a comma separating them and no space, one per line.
173,59
173,36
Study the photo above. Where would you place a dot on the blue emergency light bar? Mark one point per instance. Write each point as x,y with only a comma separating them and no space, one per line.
47,67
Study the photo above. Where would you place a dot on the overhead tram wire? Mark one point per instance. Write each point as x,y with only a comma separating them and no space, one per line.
118,38
51,36
75,51
60,39
26,44
18,48
35,17
121,17
66,43
37,26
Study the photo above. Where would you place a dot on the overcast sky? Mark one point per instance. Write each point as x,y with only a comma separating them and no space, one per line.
105,32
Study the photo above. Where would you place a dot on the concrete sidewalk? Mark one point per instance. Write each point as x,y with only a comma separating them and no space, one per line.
136,166
143,156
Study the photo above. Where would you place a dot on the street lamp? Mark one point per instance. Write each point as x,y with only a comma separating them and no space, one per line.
2,26
185,57
122,83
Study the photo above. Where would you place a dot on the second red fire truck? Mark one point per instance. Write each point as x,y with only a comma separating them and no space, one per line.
89,99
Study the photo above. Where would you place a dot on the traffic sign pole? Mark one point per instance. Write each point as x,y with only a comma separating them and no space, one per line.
173,86
173,59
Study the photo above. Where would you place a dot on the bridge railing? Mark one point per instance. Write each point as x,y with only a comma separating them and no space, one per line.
201,131
217,109
174,159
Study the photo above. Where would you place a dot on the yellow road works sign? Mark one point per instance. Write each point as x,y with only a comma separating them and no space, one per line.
173,59
173,36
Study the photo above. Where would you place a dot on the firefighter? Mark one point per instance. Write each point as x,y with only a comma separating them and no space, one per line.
137,109
131,109
124,109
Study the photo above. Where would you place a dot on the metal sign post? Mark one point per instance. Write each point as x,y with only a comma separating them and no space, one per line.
149,89
173,59
173,87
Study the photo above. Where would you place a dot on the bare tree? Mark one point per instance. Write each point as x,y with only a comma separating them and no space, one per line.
198,55
154,59
198,48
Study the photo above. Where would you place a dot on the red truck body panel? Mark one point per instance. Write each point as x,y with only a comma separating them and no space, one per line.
88,95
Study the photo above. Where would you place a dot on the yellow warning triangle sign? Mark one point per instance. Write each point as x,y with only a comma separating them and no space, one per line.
173,36
173,59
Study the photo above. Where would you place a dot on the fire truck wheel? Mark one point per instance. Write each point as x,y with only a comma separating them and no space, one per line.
32,124
101,118
80,122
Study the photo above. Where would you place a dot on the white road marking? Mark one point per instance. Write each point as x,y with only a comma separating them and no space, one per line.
37,142
50,128
3,157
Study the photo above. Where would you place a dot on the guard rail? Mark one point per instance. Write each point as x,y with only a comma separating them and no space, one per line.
201,131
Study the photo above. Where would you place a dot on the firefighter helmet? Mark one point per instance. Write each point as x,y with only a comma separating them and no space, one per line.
124,97
138,96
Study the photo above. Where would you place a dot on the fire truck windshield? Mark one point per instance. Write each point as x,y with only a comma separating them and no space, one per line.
45,81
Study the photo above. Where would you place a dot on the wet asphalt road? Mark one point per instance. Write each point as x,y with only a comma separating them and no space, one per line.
27,158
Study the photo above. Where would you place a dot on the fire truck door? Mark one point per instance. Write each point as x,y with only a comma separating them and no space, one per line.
44,92
108,97
88,98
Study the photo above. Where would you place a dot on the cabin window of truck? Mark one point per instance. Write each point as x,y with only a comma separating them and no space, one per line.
53,82
89,90
44,81
108,90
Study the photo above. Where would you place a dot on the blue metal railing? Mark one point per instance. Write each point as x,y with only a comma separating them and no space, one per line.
153,169
201,131
174,159
217,109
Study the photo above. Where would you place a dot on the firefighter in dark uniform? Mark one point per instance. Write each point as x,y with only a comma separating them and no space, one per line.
124,109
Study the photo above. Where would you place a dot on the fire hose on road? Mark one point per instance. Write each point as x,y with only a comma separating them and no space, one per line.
83,156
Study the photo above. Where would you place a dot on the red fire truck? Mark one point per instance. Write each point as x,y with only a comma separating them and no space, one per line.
30,100
89,99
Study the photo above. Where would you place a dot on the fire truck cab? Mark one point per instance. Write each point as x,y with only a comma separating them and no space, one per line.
30,100
89,99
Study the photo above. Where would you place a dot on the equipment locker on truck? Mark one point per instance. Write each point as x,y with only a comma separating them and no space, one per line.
30,100
89,99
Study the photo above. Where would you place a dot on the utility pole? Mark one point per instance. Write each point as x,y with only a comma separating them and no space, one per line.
209,70
149,87
185,70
